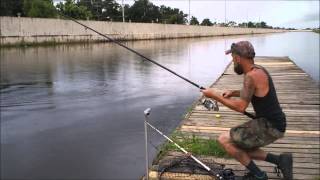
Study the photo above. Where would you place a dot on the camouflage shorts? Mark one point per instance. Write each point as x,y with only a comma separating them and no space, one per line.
254,134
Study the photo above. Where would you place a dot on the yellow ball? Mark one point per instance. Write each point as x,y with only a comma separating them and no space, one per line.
218,115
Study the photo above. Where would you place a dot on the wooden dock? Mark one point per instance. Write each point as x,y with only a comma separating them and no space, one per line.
299,98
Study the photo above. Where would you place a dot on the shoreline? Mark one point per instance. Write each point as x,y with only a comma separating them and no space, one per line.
20,31
24,44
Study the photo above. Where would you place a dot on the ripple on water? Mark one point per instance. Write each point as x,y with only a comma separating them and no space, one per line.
44,95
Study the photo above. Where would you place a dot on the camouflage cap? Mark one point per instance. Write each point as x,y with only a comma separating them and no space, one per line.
243,49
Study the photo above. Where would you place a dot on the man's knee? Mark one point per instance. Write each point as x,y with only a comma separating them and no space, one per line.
224,138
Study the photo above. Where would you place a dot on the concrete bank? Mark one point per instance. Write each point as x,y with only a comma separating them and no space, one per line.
299,97
20,30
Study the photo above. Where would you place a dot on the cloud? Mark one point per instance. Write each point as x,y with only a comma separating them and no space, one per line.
310,17
310,20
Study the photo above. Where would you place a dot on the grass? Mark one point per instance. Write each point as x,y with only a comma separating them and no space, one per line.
195,145
23,44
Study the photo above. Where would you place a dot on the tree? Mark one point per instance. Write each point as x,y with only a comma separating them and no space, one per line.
111,10
244,24
164,13
143,11
102,9
194,21
11,8
263,24
172,16
70,8
206,22
93,6
39,8
250,24
231,24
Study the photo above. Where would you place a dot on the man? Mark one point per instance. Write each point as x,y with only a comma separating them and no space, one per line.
244,141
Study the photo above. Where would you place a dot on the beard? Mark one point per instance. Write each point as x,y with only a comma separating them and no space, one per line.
237,68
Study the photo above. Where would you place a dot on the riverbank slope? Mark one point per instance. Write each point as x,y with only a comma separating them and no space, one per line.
21,30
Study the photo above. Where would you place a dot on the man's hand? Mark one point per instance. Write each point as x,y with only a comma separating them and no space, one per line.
209,92
227,94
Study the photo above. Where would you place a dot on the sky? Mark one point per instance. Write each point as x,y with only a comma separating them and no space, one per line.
290,13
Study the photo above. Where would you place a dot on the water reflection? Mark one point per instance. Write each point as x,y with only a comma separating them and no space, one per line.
76,111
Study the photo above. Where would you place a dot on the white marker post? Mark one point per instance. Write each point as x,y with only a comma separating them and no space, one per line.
146,114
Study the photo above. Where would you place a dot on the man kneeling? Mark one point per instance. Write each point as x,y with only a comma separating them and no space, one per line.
244,141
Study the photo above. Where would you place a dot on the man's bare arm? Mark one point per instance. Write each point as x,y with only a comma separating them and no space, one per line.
231,93
236,93
248,88
239,104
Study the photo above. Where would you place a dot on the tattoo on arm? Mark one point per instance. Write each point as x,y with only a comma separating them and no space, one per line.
248,88
236,93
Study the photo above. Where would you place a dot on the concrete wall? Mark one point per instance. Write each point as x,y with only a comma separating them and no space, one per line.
14,30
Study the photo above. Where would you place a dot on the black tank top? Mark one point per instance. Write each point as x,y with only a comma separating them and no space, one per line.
268,106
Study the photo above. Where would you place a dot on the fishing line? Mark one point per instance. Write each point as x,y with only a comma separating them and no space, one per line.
214,103
134,51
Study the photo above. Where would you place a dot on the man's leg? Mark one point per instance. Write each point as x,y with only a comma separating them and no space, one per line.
232,150
261,155
245,135
240,155
283,161
258,154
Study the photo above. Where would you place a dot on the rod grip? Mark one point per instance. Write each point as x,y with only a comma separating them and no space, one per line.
249,115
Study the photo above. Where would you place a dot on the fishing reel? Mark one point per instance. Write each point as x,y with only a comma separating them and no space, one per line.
226,174
210,104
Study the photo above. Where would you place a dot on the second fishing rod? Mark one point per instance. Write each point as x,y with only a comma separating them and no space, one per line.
210,106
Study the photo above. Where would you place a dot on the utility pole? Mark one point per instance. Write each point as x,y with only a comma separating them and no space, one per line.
189,13
247,19
260,22
225,12
123,12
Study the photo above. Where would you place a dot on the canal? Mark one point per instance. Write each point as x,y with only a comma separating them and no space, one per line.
76,111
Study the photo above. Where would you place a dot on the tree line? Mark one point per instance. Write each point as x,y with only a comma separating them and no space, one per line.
110,10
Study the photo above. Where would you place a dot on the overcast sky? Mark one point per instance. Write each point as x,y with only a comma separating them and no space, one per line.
296,14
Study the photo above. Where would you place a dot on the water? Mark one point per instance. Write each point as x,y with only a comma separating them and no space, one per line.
76,111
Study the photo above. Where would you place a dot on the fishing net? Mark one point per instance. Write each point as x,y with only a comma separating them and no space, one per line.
186,165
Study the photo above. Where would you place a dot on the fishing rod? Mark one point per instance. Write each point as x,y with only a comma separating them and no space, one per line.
207,103
134,51
224,174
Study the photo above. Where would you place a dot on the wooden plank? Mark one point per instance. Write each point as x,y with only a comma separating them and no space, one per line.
316,133
298,127
284,140
289,114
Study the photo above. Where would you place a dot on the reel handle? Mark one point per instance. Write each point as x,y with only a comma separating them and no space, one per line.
210,104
